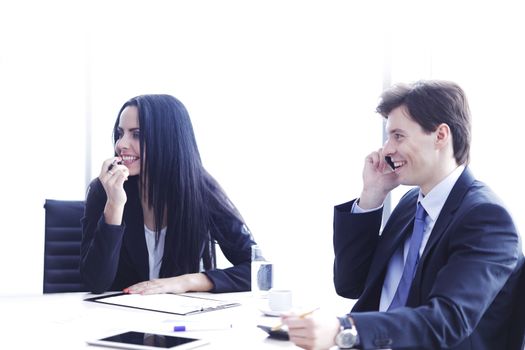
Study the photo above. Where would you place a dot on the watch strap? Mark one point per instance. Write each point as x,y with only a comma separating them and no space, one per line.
347,322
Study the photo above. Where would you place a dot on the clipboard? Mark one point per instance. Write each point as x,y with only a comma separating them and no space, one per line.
177,304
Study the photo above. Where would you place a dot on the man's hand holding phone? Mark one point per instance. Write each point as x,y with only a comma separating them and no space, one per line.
379,179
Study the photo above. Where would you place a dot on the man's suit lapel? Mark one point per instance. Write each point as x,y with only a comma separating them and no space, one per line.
444,219
454,200
393,236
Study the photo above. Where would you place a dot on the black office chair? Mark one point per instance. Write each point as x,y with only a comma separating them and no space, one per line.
517,327
63,234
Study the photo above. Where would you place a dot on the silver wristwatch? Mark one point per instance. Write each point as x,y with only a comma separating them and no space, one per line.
347,337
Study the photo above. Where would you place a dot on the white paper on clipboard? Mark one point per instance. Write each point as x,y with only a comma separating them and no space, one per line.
178,304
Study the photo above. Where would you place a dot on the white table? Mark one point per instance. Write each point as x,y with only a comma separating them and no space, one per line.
66,321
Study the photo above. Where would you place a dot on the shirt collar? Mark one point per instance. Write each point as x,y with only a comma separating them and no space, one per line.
434,201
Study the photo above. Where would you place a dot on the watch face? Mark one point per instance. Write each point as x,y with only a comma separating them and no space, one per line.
345,339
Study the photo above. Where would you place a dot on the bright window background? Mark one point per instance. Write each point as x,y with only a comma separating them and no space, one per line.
479,48
281,95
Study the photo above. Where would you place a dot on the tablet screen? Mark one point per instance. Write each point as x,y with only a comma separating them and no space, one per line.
148,339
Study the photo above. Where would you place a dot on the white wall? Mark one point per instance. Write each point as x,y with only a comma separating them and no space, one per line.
281,94
479,47
42,89
278,92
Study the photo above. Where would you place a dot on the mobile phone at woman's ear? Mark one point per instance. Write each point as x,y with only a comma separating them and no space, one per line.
389,161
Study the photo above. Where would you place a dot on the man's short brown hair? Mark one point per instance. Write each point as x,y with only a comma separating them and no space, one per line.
431,103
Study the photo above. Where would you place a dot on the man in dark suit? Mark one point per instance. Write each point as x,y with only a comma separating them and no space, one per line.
442,272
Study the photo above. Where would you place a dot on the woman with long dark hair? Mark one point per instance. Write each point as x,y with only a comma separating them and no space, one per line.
154,214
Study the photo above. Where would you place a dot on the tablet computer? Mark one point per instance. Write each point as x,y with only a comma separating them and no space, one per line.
147,341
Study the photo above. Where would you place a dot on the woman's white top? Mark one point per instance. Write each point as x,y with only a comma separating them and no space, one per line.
155,253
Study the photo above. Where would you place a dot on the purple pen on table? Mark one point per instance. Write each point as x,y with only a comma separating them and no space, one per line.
201,327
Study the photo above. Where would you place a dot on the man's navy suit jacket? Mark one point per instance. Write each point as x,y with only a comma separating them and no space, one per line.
462,293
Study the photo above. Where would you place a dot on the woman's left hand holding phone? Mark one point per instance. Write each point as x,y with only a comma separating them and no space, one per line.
112,176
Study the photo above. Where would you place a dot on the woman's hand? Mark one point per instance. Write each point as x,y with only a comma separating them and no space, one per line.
193,282
312,332
112,176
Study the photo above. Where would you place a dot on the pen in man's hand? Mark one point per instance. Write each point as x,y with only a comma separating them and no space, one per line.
303,315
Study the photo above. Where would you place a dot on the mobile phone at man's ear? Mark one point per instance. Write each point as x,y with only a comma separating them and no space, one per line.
389,161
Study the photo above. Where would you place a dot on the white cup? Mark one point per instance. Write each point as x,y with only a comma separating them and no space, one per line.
280,300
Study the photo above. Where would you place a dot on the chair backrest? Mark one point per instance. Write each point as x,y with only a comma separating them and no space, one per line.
63,234
517,330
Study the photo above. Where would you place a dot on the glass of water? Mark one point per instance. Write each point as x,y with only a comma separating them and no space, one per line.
262,277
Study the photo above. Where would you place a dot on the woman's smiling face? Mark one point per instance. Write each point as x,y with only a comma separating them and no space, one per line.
128,142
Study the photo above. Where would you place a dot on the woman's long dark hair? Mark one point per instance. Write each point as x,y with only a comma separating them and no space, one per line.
172,176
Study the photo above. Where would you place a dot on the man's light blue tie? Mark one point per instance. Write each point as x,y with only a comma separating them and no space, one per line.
412,259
